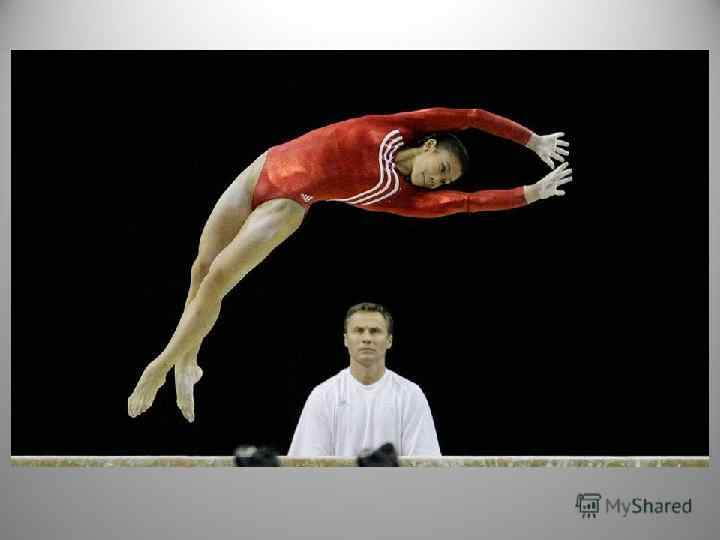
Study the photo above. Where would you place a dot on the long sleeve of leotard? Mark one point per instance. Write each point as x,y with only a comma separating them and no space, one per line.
442,119
445,202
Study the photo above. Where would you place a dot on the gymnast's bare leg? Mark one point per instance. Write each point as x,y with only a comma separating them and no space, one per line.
259,233
228,215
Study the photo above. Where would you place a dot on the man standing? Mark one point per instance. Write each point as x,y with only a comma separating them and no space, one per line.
365,405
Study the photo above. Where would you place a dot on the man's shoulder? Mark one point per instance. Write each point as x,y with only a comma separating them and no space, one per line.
330,384
404,384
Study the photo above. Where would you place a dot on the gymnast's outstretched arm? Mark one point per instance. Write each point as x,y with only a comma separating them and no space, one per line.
446,202
547,147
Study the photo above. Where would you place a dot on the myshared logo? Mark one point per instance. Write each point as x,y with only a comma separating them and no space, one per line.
589,505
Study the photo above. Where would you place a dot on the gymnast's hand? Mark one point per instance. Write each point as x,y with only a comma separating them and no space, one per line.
548,186
548,147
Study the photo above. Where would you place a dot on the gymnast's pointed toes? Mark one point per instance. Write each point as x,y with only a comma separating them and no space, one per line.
184,410
132,409
187,414
137,405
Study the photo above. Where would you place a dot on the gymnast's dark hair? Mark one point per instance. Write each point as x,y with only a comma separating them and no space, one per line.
371,308
452,143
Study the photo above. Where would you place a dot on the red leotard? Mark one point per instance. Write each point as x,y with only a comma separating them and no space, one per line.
353,162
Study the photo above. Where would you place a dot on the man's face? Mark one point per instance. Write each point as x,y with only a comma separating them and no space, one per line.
367,338
435,167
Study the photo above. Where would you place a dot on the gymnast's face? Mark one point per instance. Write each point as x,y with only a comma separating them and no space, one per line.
367,338
435,166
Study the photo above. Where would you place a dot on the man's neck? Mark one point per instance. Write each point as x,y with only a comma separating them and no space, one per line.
367,375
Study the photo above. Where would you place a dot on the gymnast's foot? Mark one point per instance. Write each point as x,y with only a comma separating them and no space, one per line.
150,382
187,374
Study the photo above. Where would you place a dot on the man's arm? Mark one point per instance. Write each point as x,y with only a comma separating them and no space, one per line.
312,435
429,204
418,431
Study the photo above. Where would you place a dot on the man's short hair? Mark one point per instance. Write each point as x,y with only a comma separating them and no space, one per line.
453,144
371,308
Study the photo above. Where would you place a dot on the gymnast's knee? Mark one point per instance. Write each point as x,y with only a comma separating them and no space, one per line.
216,284
200,268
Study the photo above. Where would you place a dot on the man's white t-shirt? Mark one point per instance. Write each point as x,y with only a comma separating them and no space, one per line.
343,417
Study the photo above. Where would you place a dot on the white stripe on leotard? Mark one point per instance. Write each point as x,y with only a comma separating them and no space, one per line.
396,185
386,166
386,155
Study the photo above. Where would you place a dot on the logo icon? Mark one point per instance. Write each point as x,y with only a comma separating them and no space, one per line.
306,197
588,504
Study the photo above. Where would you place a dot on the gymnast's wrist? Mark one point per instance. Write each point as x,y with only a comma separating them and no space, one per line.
532,193
532,142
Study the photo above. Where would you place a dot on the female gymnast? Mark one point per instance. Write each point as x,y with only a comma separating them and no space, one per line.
373,162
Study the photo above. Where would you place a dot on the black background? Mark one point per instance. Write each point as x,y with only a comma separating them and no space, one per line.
574,326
